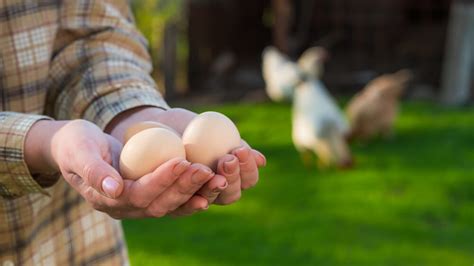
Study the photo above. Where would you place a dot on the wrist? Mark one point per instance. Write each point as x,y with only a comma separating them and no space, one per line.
37,153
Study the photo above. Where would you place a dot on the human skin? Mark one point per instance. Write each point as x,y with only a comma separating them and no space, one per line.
240,168
88,159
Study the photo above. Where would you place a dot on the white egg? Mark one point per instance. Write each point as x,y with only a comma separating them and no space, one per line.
208,137
147,150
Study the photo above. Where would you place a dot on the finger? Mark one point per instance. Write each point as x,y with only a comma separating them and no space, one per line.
97,173
259,158
193,205
116,209
229,167
248,167
93,197
213,188
129,214
144,190
244,143
115,148
182,190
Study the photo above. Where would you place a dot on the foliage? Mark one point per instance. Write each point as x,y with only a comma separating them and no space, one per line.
152,15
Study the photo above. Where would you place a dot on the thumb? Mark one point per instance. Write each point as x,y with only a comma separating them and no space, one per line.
99,175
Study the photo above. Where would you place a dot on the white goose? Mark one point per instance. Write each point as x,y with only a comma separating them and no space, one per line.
281,75
318,127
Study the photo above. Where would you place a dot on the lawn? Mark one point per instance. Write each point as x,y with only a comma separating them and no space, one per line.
409,201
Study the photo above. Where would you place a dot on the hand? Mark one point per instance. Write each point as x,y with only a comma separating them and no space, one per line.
176,118
240,168
84,154
86,157
169,190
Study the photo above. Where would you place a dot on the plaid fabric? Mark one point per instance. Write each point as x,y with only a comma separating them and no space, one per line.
15,178
63,60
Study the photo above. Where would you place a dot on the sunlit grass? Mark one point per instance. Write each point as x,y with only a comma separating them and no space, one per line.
409,201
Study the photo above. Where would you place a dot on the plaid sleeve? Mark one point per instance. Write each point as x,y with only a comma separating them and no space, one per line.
15,178
101,64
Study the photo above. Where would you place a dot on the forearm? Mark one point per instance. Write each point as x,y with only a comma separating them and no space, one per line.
37,150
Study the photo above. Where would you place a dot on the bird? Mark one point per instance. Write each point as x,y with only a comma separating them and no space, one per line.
372,111
311,62
281,75
319,126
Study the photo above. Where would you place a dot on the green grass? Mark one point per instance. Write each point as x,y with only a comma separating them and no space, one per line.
409,201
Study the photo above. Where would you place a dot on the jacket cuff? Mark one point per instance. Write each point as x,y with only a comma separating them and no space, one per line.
15,177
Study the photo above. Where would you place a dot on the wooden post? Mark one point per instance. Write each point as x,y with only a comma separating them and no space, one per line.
459,55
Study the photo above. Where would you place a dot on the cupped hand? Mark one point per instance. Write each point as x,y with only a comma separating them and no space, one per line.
169,190
88,159
83,153
241,170
235,172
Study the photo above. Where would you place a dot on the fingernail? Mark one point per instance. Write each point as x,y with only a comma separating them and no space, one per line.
262,158
206,207
110,186
220,188
228,166
181,167
243,154
224,186
201,176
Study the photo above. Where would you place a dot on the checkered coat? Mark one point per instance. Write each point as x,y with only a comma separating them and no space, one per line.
63,60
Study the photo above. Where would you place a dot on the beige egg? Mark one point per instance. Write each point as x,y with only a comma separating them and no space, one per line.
138,127
147,150
208,137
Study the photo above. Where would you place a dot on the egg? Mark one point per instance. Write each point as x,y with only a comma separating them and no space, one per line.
147,150
208,137
138,127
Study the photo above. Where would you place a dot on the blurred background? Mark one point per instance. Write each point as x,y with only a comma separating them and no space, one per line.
408,200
